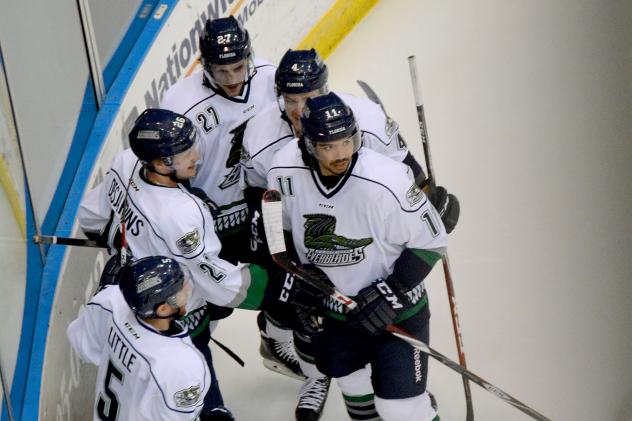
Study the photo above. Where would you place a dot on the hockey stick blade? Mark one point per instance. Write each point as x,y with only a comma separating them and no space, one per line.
370,93
272,211
67,241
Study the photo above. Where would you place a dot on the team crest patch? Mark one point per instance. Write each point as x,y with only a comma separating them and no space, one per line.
325,248
189,241
187,397
414,195
390,127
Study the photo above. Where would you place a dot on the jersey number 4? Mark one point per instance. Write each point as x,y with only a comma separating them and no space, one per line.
107,407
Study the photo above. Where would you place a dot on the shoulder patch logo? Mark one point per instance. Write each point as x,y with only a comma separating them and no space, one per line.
325,248
189,241
187,397
390,127
414,195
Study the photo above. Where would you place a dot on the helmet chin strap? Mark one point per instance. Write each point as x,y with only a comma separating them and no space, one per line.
173,316
172,175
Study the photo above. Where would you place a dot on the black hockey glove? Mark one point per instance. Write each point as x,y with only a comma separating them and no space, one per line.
297,292
445,203
377,307
111,273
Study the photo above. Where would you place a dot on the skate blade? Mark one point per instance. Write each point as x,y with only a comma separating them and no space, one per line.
281,369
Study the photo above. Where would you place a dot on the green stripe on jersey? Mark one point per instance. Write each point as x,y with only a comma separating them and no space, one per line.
428,256
258,285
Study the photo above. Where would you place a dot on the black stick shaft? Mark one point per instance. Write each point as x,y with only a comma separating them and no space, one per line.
68,241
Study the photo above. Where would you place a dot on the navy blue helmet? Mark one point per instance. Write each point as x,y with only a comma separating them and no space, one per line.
325,119
300,71
161,134
224,41
148,282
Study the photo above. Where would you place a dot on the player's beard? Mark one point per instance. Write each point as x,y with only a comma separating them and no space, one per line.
339,166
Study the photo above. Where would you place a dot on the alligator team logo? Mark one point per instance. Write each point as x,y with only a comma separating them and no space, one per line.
325,248
234,156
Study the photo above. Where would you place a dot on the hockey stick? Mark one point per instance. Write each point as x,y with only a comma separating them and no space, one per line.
6,395
370,93
272,211
67,241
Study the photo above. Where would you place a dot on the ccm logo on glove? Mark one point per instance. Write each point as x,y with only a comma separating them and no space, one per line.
386,291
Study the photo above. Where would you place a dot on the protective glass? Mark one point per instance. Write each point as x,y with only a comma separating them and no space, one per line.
330,150
230,74
186,159
183,296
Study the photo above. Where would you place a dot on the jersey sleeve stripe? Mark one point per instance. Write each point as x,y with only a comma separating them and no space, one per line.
376,136
255,293
421,204
429,256
197,103
271,144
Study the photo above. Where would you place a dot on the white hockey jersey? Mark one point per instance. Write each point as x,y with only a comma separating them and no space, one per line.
143,374
355,231
166,221
268,131
221,121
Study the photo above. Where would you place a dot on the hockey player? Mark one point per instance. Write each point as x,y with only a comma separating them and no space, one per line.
130,331
232,87
360,217
220,99
144,190
301,75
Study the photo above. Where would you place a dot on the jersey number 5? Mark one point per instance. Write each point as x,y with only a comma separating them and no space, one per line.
107,408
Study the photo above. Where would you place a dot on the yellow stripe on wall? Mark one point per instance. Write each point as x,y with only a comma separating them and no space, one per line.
12,195
335,25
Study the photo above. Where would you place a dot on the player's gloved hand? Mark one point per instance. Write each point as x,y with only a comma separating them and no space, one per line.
309,320
377,307
302,293
288,288
445,203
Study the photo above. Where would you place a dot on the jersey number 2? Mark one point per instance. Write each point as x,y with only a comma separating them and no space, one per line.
108,409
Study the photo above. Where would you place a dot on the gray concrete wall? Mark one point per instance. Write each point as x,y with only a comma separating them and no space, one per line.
48,71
